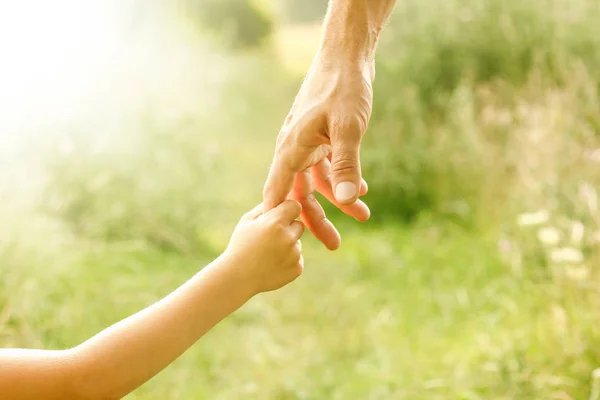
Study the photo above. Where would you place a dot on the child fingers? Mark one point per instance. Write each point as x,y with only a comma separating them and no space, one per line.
300,266
254,213
287,211
296,230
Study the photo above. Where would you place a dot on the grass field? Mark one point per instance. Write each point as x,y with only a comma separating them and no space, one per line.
477,278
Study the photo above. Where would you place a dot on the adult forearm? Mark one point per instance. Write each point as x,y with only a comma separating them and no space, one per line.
352,29
124,356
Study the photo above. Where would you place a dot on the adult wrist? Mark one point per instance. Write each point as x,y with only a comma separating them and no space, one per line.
349,34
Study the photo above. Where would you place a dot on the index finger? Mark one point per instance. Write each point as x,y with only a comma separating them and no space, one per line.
279,183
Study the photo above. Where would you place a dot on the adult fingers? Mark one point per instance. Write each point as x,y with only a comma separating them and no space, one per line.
364,187
322,180
345,163
313,214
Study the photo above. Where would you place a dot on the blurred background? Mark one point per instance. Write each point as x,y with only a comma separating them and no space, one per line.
134,134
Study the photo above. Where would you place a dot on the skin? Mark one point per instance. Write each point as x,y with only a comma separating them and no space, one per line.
264,254
318,145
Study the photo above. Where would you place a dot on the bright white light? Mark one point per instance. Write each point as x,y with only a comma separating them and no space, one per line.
97,63
49,53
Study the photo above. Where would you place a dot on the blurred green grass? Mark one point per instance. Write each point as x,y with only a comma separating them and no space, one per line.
477,146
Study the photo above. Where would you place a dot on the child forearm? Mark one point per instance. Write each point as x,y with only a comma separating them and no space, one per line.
122,357
36,374
127,354
263,255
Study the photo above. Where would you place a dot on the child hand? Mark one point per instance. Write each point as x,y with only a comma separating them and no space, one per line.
266,249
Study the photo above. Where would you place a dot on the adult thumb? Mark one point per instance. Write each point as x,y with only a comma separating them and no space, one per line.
345,169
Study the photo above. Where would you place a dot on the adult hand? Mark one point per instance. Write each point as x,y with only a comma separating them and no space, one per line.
318,146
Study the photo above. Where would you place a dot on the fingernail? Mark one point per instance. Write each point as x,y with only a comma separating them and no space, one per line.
345,191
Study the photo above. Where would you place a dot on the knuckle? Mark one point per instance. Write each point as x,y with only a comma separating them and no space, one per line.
310,201
350,126
288,119
287,159
290,238
277,226
296,208
272,226
344,163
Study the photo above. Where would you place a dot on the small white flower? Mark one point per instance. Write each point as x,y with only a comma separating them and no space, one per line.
535,218
566,255
548,236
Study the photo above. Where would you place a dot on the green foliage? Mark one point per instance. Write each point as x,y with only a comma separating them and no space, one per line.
238,23
306,11
431,62
109,197
434,47
167,180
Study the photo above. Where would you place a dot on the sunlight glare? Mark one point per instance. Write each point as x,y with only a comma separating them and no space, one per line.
49,52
